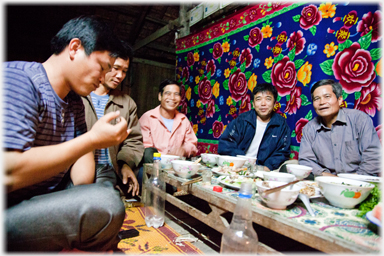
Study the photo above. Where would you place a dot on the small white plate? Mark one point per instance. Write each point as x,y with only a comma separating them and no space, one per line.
237,182
216,171
366,178
318,194
373,219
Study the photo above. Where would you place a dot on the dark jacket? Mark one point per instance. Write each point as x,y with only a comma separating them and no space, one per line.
274,147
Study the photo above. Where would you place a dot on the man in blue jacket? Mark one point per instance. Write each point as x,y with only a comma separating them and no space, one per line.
259,133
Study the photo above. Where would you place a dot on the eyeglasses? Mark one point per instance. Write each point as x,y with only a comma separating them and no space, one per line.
169,94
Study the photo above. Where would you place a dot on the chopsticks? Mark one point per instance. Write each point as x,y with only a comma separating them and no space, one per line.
197,161
271,190
192,181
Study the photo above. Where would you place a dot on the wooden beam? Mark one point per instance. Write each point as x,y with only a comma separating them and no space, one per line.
139,24
157,21
154,63
159,33
162,47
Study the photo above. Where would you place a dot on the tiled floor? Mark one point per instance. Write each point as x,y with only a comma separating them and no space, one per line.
212,238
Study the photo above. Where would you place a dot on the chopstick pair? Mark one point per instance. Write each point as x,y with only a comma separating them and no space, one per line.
192,181
271,190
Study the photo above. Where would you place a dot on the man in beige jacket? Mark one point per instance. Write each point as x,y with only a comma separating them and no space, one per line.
126,157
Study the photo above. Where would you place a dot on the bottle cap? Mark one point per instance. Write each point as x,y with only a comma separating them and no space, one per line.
217,188
156,155
246,189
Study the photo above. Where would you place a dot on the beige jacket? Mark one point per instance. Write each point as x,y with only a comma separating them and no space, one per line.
132,149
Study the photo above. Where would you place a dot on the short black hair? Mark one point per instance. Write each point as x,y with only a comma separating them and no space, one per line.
265,87
127,53
94,34
336,87
167,82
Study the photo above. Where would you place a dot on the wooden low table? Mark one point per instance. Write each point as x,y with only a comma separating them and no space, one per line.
221,203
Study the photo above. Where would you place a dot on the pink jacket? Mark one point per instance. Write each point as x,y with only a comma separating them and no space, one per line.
156,134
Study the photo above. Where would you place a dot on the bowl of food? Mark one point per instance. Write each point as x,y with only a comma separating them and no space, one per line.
185,169
300,171
342,192
166,161
249,160
280,199
278,176
231,161
209,159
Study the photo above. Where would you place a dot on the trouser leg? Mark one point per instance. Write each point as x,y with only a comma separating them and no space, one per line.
85,217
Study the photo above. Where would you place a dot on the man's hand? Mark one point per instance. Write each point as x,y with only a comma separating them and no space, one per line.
328,174
103,134
266,169
128,174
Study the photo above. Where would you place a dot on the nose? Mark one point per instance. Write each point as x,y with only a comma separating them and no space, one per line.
119,74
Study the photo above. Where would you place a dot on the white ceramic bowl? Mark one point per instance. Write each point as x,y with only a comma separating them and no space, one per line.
344,193
279,176
249,160
227,160
209,159
300,171
185,169
166,161
280,199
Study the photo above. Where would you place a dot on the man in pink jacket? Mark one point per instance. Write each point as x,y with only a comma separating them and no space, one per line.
164,129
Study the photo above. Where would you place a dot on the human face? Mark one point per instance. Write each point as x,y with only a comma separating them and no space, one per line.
170,99
117,74
326,104
88,72
263,102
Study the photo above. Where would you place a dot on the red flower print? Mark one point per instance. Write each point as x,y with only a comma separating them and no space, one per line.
237,85
205,90
354,68
246,56
211,67
252,14
296,39
183,107
294,102
284,76
370,99
245,104
210,108
182,92
299,128
232,23
255,37
190,59
378,130
370,22
310,16
185,74
217,128
217,51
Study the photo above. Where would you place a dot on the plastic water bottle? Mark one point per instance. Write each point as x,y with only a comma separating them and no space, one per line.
240,237
155,196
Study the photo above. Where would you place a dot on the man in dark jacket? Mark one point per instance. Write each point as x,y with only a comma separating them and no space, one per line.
259,133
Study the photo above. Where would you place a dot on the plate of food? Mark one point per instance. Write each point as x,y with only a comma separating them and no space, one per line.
229,170
310,188
235,183
366,178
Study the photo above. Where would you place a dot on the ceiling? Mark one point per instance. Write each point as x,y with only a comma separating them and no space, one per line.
150,29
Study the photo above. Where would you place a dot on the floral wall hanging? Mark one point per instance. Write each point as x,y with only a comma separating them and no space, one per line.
292,46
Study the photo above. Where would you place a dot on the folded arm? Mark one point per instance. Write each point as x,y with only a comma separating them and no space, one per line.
282,151
228,143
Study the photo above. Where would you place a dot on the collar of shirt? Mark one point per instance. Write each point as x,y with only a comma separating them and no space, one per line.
340,120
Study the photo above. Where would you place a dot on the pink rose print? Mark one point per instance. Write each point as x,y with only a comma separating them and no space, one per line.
185,74
294,102
205,91
370,22
183,107
252,14
353,67
182,92
296,39
217,128
245,104
217,51
232,23
310,16
378,130
237,85
255,37
246,56
210,108
299,128
370,99
284,76
190,59
211,67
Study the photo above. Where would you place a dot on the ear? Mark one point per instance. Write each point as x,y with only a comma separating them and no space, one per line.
73,46
340,100
159,96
